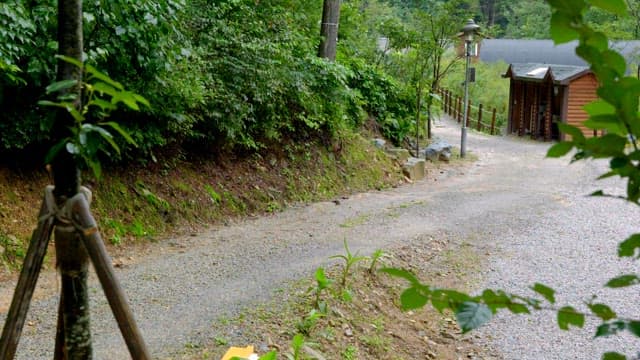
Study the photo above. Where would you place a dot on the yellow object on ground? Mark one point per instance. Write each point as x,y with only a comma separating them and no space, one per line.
243,353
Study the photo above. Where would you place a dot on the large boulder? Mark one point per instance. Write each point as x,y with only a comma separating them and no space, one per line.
414,168
439,150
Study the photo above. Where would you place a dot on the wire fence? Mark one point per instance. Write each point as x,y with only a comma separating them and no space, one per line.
479,117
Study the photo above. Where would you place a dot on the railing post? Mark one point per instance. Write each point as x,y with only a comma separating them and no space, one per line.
447,107
493,122
448,103
459,110
468,112
479,117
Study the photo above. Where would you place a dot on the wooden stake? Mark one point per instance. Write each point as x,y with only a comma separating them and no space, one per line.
104,269
493,122
31,266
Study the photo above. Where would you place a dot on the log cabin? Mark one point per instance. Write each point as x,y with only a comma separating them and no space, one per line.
541,95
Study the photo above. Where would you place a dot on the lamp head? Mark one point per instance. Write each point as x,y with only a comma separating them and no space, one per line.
470,29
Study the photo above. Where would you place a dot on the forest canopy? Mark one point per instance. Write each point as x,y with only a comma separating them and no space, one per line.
239,75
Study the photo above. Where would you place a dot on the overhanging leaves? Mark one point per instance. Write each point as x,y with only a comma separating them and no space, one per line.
613,356
629,247
623,281
472,315
547,292
602,311
412,298
568,316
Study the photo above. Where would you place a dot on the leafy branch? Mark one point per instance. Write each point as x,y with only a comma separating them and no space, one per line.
90,131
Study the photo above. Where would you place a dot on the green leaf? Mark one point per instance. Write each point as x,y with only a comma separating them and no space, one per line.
628,247
634,327
609,122
104,133
141,100
606,146
115,126
271,355
547,292
412,298
602,311
53,152
472,315
560,149
52,104
561,30
404,274
102,104
615,61
613,356
623,281
518,308
95,166
576,134
569,316
103,77
599,107
495,300
61,85
617,7
611,328
70,60
126,98
105,88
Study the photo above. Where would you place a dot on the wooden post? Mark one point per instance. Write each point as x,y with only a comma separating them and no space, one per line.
31,266
445,100
459,110
479,117
106,274
547,113
468,112
493,122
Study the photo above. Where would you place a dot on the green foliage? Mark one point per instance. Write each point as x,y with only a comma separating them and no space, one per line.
349,261
375,259
296,348
101,96
322,284
489,89
309,321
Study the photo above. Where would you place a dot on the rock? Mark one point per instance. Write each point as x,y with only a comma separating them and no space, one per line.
400,154
438,150
414,168
379,143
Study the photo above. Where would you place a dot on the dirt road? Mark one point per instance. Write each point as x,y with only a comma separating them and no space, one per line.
526,215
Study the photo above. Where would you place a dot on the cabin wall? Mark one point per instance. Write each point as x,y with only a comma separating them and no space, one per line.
581,91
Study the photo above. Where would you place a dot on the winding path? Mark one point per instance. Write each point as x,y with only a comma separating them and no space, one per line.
528,213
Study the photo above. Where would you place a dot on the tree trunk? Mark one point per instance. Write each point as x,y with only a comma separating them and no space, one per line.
329,29
71,256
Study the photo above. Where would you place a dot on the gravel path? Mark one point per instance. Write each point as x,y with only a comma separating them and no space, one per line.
527,216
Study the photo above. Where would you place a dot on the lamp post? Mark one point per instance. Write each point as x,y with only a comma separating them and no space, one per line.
468,31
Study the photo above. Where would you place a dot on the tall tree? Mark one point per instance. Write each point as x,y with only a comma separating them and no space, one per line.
329,29
73,340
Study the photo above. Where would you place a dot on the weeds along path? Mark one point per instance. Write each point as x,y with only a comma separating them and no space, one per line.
526,216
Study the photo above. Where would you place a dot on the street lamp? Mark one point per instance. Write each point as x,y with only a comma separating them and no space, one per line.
468,31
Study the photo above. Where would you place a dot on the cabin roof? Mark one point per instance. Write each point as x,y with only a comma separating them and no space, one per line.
546,52
539,72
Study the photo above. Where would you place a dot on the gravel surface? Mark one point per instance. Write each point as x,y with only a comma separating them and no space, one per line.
527,217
